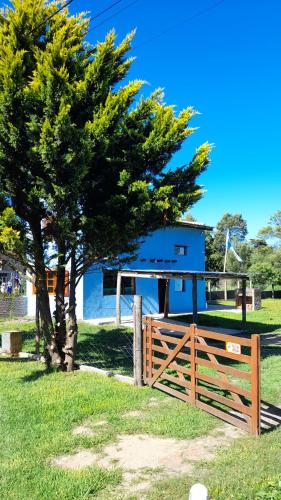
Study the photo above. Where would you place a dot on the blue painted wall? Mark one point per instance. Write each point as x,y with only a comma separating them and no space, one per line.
155,249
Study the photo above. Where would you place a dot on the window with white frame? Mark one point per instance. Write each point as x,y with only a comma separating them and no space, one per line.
128,285
180,249
179,285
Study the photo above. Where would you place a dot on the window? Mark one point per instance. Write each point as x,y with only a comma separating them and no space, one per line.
179,285
52,283
180,249
110,284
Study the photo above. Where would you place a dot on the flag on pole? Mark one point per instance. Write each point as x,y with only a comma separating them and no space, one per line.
229,246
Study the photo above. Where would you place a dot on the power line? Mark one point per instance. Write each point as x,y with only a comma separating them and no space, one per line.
190,18
113,15
105,10
66,5
51,16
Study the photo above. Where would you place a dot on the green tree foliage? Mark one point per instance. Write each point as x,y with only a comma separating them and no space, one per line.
273,229
83,158
266,267
266,257
215,243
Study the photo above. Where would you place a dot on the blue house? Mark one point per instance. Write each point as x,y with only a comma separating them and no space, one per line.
180,247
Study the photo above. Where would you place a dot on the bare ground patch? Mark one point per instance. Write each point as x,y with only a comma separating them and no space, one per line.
137,455
82,430
134,413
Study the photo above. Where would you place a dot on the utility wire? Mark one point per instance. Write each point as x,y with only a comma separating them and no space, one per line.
51,16
66,5
113,15
186,20
105,10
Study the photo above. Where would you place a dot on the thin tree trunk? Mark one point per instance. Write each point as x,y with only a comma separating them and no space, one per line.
38,326
51,353
273,292
72,331
60,326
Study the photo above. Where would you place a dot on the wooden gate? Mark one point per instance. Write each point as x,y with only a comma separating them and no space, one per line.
216,372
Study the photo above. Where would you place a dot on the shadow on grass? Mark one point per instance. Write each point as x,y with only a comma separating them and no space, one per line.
270,417
231,323
36,375
111,350
270,342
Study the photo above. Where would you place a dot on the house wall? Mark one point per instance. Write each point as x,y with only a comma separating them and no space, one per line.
31,302
153,252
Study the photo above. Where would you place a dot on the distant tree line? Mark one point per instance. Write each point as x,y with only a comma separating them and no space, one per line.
261,256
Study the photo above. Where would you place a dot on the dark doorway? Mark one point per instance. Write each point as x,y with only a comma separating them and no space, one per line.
161,294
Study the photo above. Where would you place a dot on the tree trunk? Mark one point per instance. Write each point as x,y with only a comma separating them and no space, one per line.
72,331
38,335
51,353
273,292
60,326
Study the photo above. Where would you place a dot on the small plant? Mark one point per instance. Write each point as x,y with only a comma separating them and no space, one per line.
270,490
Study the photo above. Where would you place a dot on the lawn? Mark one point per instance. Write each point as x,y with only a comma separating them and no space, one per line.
39,411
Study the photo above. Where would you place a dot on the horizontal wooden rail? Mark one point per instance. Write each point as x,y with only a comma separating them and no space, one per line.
176,380
223,385
230,370
225,401
222,352
170,327
208,334
172,392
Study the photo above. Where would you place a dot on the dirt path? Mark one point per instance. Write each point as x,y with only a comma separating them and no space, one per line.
138,455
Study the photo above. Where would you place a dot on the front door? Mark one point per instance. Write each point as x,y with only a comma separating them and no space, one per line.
161,294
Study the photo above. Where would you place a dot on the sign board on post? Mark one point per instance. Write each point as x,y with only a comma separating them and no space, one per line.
234,348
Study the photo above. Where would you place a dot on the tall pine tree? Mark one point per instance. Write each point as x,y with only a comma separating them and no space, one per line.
83,159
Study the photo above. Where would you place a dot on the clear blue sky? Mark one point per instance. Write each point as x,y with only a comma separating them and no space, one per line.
223,58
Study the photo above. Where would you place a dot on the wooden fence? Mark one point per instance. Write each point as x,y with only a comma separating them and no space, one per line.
217,372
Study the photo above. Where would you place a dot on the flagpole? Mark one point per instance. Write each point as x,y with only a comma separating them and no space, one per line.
224,265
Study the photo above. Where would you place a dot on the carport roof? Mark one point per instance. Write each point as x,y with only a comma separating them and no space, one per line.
178,274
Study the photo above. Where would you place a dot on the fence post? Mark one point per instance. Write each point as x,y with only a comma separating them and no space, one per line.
149,350
118,299
138,375
193,328
244,304
255,383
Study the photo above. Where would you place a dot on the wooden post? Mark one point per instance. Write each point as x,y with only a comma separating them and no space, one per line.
192,364
138,373
209,291
166,302
225,290
149,350
244,305
118,300
144,350
255,383
194,299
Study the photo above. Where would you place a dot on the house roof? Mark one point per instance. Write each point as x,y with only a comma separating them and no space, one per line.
194,225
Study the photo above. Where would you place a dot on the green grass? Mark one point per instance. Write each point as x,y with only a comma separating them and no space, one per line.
103,346
38,411
265,320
